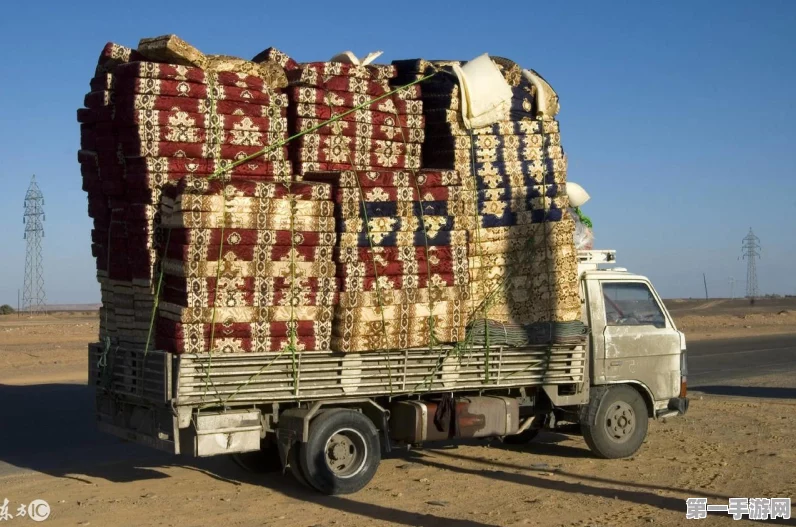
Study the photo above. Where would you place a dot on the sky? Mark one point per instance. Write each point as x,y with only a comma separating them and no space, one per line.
677,117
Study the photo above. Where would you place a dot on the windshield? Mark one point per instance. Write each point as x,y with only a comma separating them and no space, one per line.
631,304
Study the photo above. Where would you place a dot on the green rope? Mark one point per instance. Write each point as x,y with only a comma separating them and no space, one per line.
218,173
432,340
156,301
375,270
292,333
486,305
585,220
428,379
215,147
367,221
215,295
545,230
247,382
102,362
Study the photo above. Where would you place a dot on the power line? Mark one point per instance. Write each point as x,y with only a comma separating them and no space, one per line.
751,252
33,298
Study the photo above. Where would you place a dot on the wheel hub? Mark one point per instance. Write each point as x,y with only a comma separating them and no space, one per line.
620,422
339,450
345,453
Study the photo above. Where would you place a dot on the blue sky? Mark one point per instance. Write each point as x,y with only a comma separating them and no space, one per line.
678,117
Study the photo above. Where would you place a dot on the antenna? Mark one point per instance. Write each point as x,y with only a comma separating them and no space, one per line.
751,252
33,299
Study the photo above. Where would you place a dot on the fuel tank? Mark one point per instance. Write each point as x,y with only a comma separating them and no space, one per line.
487,416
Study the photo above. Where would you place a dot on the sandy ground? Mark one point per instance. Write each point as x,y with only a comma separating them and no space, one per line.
726,446
45,348
723,318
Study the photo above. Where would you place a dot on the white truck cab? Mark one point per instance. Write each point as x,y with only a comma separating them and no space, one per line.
636,354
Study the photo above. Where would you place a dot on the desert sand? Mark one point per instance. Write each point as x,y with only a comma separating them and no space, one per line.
724,447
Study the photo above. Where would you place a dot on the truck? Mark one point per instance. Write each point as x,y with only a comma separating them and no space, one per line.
328,416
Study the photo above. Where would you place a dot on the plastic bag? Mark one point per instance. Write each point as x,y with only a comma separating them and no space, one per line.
584,236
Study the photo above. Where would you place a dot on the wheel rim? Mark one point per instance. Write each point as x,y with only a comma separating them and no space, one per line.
620,422
345,453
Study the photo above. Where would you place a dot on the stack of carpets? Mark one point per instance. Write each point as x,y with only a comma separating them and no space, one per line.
248,267
383,135
521,256
401,258
147,125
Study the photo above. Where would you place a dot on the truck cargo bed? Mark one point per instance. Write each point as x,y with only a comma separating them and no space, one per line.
206,380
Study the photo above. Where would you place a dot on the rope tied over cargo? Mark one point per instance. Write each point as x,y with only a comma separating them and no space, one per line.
102,362
279,144
156,300
377,282
292,324
292,347
215,147
432,339
106,373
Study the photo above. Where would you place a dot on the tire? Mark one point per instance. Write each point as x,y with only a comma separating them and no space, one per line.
342,454
294,463
620,423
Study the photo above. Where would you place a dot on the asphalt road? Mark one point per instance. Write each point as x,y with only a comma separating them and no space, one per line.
725,362
50,427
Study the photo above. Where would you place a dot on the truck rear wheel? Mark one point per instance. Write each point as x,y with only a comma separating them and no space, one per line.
294,463
619,423
342,454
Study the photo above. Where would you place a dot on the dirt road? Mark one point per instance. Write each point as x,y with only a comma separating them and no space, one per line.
727,446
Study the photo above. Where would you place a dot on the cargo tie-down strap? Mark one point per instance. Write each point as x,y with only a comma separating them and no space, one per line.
291,348
479,327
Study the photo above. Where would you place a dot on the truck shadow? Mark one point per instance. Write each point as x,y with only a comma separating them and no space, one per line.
546,444
764,392
50,428
284,484
640,497
532,449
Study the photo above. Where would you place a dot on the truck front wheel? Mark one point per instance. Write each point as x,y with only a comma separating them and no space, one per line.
342,453
618,423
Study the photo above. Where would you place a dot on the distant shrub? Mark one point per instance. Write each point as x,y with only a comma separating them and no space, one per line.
5,309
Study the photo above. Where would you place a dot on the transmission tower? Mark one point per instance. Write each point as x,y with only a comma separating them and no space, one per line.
33,299
751,252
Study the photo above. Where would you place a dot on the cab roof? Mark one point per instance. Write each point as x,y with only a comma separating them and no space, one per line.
612,274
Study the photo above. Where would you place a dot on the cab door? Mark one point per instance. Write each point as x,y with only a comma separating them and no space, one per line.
640,342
